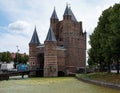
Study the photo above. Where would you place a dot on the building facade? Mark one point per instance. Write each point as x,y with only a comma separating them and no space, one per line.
64,50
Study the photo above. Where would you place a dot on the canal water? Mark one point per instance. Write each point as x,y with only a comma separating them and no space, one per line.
51,85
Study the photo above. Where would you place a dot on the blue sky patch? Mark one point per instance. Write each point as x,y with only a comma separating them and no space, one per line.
4,21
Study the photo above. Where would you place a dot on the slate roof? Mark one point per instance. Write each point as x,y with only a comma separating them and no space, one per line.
50,35
54,15
35,39
68,11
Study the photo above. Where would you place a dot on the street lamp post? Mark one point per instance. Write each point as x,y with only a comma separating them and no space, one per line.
17,53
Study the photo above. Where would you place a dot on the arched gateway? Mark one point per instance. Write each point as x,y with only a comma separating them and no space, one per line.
40,61
64,49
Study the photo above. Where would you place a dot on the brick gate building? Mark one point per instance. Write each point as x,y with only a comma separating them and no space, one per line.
63,51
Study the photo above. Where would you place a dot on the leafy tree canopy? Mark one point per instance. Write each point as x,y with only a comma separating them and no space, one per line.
6,57
105,40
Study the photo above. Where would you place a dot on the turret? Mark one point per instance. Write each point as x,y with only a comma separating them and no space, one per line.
50,55
34,39
53,22
50,36
33,51
54,17
68,14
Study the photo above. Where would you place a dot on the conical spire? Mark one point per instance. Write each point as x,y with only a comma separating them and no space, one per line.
35,39
69,12
50,35
54,15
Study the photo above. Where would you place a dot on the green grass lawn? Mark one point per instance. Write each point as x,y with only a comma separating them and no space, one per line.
51,85
112,78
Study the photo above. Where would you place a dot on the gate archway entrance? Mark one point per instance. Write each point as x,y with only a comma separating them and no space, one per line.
61,74
40,60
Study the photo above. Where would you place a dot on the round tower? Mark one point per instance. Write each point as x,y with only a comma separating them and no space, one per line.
50,55
33,52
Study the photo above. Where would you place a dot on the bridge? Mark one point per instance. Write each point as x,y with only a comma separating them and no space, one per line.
4,75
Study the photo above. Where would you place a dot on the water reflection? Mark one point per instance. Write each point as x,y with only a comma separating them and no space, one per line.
50,85
18,77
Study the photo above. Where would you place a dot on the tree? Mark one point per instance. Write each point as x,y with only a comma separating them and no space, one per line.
6,57
18,58
105,40
25,59
95,53
21,59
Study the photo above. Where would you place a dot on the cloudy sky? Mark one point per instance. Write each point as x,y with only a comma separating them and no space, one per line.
19,17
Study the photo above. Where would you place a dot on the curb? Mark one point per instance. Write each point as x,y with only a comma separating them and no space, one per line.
110,85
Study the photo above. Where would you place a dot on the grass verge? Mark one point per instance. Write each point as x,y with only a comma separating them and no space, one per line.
102,76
